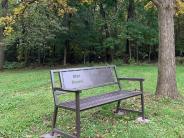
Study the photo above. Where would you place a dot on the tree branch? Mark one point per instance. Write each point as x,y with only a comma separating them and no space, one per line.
156,2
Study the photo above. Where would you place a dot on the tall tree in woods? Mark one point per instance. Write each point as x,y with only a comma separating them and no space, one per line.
106,30
166,83
4,6
130,17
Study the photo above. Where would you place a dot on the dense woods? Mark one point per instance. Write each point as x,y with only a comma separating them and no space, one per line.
101,31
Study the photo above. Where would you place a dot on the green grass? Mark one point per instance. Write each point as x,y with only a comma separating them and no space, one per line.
26,107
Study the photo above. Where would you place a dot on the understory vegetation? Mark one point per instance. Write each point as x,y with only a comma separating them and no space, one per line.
98,31
26,107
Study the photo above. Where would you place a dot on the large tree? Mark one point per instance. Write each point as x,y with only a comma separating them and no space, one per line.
166,83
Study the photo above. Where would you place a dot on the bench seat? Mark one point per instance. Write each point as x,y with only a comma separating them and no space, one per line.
98,100
76,80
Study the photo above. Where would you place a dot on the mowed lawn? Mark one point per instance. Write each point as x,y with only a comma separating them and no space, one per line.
26,106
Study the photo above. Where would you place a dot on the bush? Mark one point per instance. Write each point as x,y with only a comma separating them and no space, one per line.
118,62
132,61
13,65
180,60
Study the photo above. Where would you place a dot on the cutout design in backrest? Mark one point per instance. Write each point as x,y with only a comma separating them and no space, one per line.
85,78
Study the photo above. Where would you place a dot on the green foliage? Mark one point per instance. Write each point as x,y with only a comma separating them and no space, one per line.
132,61
96,29
179,37
180,60
14,65
118,62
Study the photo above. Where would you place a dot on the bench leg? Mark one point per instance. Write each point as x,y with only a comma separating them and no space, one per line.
77,114
118,106
142,105
54,119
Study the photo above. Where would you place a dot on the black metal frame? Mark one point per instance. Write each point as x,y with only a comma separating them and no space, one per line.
77,100
140,80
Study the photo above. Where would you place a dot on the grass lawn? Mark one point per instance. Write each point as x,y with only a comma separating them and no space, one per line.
26,107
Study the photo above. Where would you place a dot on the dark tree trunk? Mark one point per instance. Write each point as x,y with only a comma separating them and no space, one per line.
1,55
137,53
130,17
4,5
26,56
67,41
149,55
84,58
39,55
107,34
130,50
65,52
166,83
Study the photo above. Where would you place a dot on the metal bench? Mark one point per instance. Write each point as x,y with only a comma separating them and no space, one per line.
76,80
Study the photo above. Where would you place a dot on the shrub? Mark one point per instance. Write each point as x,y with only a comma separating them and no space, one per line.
118,62
13,65
180,60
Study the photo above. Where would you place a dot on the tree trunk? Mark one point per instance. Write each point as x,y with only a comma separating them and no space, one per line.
84,58
166,83
107,32
149,55
1,49
4,5
68,22
26,56
39,55
1,55
130,17
137,53
65,53
130,50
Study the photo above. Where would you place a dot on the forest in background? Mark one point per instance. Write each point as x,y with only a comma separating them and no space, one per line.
102,31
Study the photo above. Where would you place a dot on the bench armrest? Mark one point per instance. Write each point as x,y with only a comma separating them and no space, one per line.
132,79
60,89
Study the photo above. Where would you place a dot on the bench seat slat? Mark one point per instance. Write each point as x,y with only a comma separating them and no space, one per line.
98,100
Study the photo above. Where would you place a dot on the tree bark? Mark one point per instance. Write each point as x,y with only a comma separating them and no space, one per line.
166,83
4,5
1,55
130,51
65,52
137,53
107,33
67,41
149,55
130,17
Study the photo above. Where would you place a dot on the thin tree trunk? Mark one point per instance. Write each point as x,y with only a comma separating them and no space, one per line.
44,54
166,83
67,41
84,58
107,33
130,17
65,53
137,53
149,55
4,5
39,55
26,56
130,51
1,55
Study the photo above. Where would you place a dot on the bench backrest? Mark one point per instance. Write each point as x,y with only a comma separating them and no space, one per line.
85,78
